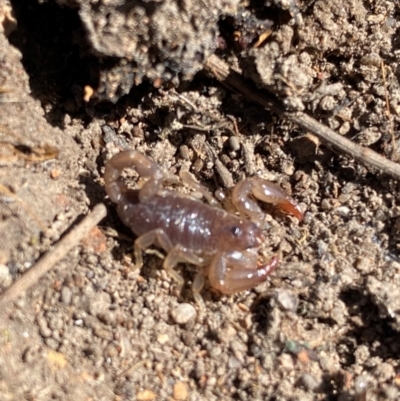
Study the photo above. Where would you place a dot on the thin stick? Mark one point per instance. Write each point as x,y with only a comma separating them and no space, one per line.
221,71
59,251
388,114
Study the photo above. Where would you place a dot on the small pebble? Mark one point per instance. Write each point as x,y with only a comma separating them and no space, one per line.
364,265
30,355
286,300
180,391
234,143
51,343
55,174
234,363
102,333
390,392
385,372
5,276
44,330
110,351
185,152
56,359
66,295
343,211
361,384
163,338
146,395
226,334
309,382
286,362
183,313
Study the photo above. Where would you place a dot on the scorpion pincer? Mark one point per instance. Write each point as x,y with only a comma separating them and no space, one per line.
222,244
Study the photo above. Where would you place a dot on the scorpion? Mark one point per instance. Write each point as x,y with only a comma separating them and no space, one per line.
223,245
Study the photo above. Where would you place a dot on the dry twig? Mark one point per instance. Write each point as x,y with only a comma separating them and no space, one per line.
388,113
220,70
60,250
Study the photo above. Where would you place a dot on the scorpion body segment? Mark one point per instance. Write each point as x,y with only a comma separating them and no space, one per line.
191,223
223,244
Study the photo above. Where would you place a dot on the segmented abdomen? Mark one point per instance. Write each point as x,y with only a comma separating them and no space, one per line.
185,221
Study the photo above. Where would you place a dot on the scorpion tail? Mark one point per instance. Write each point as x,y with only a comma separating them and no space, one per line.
144,166
114,167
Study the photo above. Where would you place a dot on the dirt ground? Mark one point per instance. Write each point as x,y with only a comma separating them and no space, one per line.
81,80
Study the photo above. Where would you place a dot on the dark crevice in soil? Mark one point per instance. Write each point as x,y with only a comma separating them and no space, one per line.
50,39
375,332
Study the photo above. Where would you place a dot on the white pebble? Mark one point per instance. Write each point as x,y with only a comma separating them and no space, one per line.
287,300
5,276
183,313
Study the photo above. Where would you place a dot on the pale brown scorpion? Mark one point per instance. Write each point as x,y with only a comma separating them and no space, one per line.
224,244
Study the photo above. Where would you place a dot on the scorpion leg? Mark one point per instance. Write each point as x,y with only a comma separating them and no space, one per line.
197,286
232,272
157,236
265,191
175,254
188,179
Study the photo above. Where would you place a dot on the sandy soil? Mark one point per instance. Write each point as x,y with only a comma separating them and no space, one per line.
81,80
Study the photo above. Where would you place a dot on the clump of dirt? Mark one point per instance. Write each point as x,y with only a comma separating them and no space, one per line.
82,81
